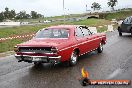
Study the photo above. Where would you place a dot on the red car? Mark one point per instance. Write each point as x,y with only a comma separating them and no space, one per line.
63,43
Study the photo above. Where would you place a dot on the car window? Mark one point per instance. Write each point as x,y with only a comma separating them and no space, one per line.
52,33
127,20
131,20
86,32
78,32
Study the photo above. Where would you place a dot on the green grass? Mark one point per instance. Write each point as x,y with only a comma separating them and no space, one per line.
62,16
88,22
118,15
8,45
92,22
21,30
103,29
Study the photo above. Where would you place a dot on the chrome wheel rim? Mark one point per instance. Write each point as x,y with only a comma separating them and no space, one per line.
73,58
101,46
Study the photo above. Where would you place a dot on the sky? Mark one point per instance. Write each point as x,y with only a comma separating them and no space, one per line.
55,7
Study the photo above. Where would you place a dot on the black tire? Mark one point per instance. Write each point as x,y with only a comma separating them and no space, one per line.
37,63
131,32
100,48
120,34
73,59
119,30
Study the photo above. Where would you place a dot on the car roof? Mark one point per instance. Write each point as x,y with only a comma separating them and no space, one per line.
62,26
67,26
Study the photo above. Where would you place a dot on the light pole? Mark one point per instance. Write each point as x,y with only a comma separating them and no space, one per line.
86,7
64,10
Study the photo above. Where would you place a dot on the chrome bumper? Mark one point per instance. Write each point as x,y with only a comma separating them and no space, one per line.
28,58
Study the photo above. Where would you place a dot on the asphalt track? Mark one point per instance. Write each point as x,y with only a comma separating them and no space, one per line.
114,63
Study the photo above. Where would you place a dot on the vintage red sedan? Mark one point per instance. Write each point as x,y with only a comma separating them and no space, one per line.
63,43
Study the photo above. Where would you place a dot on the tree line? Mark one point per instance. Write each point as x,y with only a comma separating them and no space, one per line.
111,3
12,15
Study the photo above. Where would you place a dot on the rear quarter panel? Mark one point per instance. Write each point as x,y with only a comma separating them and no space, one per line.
103,38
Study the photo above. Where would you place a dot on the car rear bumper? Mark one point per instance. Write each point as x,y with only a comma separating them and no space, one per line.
124,30
43,59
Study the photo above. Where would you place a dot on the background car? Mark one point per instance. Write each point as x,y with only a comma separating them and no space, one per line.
125,26
62,43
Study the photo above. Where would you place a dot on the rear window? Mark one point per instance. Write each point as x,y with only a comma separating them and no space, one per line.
52,33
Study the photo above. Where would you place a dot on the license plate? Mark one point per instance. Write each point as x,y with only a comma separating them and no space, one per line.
36,59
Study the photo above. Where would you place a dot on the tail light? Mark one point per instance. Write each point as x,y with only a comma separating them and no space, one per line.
16,48
54,50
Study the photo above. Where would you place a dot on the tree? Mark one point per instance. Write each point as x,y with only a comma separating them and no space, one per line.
1,16
40,16
112,3
27,16
6,13
96,6
22,15
9,14
34,15
6,9
12,14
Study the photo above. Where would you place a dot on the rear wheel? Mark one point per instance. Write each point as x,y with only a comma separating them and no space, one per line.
100,48
120,34
73,58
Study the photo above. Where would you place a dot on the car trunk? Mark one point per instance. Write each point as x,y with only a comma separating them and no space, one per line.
35,49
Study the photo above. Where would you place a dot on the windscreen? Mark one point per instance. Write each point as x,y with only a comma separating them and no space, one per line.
52,33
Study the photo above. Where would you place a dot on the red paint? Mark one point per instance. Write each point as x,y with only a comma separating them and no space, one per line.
67,45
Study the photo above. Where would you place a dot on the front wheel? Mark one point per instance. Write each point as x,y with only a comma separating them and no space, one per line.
131,32
100,48
73,58
119,30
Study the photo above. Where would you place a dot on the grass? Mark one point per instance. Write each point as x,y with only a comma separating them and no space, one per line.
118,15
92,22
8,45
103,29
20,30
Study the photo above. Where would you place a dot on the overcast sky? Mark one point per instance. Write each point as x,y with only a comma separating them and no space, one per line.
55,7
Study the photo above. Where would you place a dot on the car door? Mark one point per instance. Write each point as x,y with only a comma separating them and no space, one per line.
95,40
92,40
80,40
126,25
